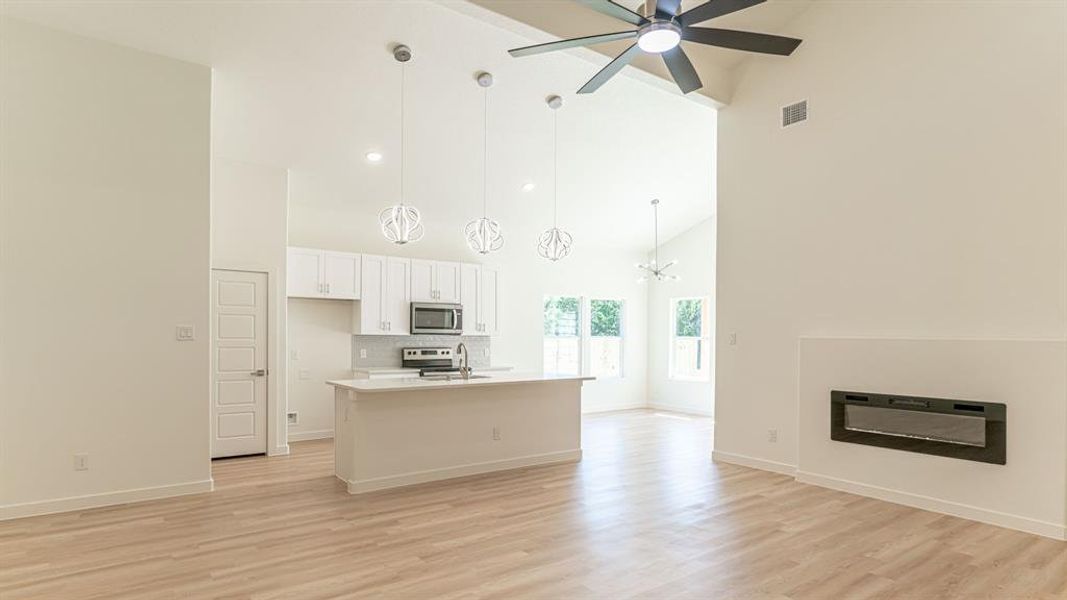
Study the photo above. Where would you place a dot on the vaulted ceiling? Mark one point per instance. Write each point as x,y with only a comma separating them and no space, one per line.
561,19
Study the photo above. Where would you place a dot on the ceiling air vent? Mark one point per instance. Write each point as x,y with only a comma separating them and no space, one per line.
794,113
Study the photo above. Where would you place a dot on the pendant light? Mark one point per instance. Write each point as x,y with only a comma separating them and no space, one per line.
653,270
483,235
555,243
401,224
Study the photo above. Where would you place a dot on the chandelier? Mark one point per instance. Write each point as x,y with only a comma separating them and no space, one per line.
654,270
401,223
483,235
555,243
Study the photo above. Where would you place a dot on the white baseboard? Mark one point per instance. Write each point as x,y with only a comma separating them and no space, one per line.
303,436
279,450
685,410
955,509
58,505
382,483
755,463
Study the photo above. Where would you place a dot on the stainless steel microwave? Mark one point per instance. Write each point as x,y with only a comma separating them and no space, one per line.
437,318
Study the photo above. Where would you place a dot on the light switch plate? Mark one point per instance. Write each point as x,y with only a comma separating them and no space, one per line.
363,353
184,333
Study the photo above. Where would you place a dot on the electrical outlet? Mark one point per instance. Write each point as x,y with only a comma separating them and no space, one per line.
363,353
772,436
304,374
293,418
733,339
184,333
81,462
496,433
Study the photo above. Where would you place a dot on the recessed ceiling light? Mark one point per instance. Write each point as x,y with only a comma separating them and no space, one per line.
374,157
528,186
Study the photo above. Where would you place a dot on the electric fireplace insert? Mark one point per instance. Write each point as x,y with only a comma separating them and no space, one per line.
955,428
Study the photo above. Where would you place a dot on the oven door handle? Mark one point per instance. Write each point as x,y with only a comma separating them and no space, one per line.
457,320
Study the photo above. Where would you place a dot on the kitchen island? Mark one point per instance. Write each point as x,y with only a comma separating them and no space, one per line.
395,432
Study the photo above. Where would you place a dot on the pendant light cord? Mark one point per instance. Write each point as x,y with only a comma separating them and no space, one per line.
485,155
403,67
655,225
555,167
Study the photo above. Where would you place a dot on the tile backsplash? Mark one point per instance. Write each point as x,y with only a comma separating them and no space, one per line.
384,350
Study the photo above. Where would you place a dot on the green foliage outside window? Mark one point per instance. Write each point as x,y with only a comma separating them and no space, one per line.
605,318
687,317
562,316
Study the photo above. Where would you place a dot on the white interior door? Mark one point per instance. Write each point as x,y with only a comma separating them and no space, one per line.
238,363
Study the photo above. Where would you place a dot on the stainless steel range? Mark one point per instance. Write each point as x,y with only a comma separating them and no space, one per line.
428,360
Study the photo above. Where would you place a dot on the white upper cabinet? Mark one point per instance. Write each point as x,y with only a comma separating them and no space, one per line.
385,297
489,301
468,296
341,274
480,296
315,273
423,280
448,281
304,277
433,281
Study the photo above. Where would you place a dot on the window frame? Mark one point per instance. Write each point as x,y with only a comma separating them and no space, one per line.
588,304
582,326
705,337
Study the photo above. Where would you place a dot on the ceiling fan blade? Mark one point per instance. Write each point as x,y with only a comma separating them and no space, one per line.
611,69
742,40
611,9
665,9
572,43
712,9
682,70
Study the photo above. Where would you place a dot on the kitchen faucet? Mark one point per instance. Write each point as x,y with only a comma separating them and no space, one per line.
464,361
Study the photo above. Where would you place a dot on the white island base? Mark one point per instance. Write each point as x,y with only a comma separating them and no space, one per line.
392,433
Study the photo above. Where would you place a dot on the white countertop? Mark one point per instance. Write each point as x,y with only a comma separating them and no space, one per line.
416,383
411,371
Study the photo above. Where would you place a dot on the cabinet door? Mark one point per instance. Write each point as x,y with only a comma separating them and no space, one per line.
304,273
489,301
423,284
398,296
470,281
448,282
372,301
341,272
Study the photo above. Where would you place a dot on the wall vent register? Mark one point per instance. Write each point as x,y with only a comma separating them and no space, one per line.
794,113
954,428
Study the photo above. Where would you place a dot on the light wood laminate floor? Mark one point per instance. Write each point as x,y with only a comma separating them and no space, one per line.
646,514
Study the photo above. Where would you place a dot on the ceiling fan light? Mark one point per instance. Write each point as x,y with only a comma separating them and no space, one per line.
659,37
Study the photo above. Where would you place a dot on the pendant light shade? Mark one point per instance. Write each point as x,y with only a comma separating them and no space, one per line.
401,224
554,243
484,235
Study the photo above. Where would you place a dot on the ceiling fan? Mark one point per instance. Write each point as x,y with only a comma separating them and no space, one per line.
662,32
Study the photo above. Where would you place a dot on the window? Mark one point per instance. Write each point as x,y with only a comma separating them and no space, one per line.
563,335
605,338
690,357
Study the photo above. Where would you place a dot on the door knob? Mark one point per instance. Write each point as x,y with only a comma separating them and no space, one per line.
259,373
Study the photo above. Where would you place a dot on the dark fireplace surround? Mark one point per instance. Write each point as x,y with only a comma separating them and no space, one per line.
960,429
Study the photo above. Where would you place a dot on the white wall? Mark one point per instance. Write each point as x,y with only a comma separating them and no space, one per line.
104,169
320,349
924,198
249,205
695,252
